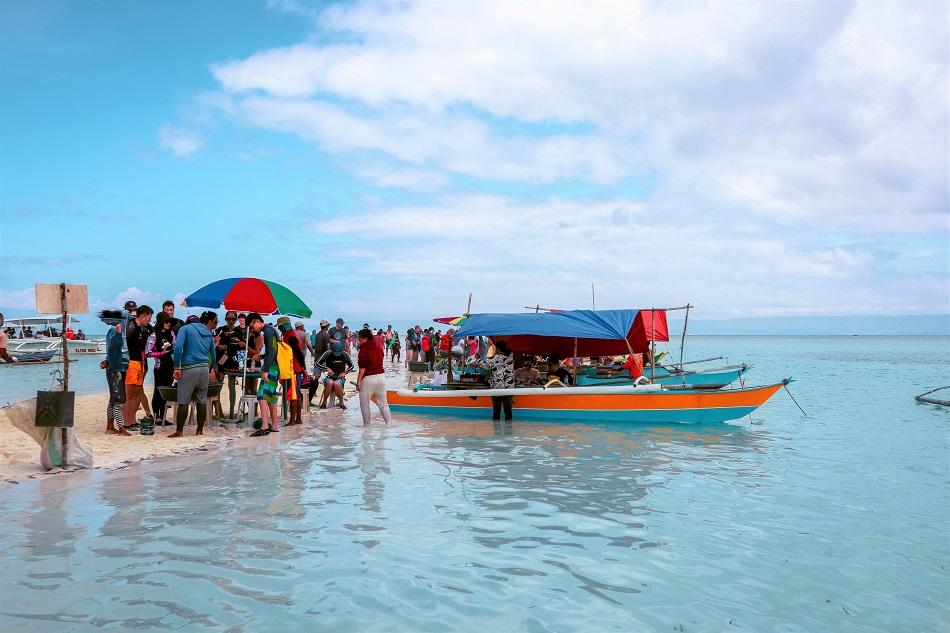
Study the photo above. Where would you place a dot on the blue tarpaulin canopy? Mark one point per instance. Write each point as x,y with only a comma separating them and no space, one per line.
598,332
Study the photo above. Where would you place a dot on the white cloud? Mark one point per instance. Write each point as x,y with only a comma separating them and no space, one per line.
412,179
179,142
512,254
768,139
802,112
18,299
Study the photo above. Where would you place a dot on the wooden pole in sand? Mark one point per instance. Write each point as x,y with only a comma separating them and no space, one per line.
65,345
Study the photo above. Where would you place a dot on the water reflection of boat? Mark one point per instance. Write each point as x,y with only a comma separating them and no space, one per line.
40,334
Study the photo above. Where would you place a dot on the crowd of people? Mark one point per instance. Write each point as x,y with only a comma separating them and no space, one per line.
269,358
271,362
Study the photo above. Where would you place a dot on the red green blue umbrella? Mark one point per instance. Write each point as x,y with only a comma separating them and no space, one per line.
456,321
248,294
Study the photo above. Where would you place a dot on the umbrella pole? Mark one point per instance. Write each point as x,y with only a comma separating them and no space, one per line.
247,344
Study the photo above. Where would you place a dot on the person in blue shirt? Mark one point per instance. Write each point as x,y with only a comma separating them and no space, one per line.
193,357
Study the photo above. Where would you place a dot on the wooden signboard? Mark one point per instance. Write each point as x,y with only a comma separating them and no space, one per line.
49,299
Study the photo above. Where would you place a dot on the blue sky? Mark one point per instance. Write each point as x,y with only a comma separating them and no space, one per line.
388,159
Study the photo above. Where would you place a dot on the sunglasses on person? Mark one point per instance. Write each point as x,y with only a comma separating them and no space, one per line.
229,319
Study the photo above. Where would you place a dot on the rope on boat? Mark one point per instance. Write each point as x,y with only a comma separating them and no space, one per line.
785,385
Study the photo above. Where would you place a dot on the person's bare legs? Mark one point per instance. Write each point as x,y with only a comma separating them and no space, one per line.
264,406
114,420
274,417
143,400
131,404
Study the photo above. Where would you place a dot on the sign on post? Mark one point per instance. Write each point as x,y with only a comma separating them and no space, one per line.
49,299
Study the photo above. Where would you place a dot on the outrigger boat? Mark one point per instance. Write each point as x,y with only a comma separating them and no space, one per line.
45,337
30,358
701,379
583,333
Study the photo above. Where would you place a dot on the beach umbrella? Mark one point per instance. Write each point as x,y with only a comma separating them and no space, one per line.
453,321
248,294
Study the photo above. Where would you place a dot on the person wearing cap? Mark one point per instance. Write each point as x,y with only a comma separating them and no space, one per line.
338,331
321,343
337,363
193,356
394,348
292,391
115,364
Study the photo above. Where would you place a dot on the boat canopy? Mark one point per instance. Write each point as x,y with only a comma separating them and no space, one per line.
598,332
38,320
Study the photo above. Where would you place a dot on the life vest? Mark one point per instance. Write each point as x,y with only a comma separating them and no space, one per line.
425,343
285,361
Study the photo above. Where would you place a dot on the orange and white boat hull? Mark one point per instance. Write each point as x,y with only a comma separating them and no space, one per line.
591,404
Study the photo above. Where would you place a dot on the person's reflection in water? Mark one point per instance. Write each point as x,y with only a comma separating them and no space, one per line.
501,428
372,461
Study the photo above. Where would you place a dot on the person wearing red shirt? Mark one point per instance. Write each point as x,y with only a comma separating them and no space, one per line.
445,343
634,365
371,381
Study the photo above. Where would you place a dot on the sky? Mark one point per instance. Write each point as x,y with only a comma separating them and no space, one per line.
387,159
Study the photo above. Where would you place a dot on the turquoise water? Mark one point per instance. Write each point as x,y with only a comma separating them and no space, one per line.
835,521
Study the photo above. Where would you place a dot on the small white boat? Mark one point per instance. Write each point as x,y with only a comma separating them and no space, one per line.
40,334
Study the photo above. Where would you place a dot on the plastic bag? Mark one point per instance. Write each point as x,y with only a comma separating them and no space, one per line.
22,415
78,455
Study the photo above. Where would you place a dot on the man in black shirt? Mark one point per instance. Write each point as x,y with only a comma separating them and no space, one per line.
169,308
230,342
136,336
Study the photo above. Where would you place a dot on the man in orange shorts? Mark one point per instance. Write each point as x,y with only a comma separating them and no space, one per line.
136,337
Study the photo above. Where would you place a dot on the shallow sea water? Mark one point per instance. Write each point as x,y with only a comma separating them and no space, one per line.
834,521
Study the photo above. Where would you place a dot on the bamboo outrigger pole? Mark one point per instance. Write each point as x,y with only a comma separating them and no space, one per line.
574,361
448,358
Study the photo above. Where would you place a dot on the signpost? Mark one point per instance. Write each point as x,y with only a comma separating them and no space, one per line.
55,408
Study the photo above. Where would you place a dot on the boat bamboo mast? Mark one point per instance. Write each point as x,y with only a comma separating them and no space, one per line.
652,344
574,361
683,340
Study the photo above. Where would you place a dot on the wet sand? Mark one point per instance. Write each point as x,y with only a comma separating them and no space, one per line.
20,454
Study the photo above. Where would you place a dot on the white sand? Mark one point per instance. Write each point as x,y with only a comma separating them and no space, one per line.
20,454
